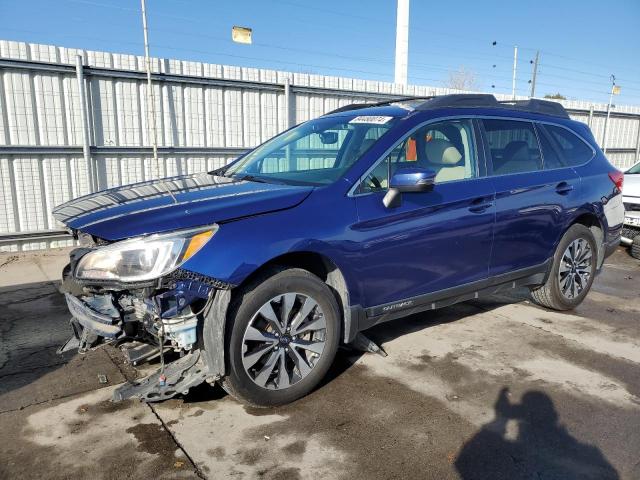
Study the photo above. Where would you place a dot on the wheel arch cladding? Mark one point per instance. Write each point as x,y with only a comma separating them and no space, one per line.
593,223
324,268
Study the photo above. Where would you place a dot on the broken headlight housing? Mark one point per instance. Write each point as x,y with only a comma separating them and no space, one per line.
144,258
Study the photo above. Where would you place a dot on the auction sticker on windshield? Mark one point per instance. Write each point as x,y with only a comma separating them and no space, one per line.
375,119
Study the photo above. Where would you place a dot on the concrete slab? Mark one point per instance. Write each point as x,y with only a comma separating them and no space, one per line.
88,436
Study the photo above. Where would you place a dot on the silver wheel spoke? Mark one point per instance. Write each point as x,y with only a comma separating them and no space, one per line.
256,335
283,375
288,299
263,375
317,324
270,316
303,367
252,358
307,307
315,347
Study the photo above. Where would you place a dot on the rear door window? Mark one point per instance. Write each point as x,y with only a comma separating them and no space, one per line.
573,149
513,146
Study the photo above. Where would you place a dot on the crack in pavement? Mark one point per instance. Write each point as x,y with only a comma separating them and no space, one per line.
199,473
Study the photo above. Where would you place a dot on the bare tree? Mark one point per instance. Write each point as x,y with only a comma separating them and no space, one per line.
462,79
555,96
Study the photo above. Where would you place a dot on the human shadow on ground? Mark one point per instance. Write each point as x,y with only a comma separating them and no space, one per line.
536,446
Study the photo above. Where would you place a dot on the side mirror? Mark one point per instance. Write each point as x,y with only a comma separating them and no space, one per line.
408,180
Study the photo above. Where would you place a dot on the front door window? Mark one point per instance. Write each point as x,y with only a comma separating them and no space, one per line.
447,148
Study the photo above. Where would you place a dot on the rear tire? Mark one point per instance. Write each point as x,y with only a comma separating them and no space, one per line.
282,338
635,247
572,271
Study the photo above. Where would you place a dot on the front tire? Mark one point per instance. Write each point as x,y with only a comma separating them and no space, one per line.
282,338
572,271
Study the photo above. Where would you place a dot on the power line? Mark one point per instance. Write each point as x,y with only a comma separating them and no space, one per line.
431,31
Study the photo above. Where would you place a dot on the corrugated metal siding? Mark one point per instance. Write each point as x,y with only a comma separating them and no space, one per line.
210,112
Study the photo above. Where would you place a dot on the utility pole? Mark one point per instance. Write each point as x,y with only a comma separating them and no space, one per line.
402,42
515,66
151,107
534,74
614,91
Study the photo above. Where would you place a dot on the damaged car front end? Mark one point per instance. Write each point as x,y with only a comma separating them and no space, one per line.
127,283
134,295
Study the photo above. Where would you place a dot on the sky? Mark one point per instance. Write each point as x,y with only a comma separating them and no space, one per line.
581,42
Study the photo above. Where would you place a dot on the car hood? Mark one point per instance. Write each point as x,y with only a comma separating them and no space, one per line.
148,207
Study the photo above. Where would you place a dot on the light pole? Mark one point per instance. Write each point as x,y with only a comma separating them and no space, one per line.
615,90
402,42
151,108
515,66
151,115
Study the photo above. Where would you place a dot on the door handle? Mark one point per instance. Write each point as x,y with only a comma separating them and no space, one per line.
563,188
479,205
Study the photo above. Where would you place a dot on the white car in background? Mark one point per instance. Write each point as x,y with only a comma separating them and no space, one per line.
631,200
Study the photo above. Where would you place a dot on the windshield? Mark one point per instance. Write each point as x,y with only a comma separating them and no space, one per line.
317,152
634,169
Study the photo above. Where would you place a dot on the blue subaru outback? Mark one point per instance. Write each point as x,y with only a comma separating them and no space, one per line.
253,274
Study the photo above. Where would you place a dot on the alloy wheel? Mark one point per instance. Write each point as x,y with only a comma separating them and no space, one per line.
284,341
575,268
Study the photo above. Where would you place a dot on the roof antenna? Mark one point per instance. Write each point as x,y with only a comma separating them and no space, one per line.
151,106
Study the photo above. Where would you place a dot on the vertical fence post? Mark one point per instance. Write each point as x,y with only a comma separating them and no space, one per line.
288,121
638,144
287,103
590,121
86,135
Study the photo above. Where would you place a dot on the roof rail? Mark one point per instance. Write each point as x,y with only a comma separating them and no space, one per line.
357,106
537,106
469,100
459,100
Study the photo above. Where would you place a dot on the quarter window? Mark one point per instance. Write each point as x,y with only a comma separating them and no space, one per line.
447,148
551,157
513,145
572,148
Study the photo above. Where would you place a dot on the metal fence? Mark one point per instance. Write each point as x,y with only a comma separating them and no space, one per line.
75,121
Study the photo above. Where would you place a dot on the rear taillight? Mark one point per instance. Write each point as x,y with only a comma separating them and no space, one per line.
617,177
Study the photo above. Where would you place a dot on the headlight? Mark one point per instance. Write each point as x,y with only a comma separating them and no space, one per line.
144,258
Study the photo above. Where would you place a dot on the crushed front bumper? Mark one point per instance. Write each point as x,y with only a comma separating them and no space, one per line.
168,319
94,322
